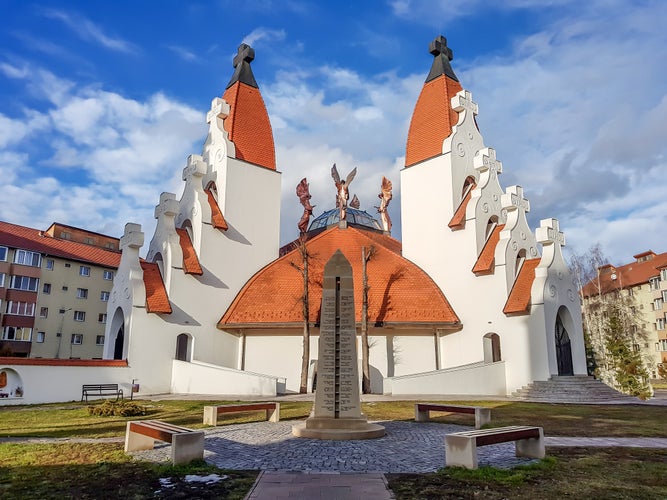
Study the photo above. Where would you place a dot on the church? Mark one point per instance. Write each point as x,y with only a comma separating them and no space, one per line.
470,300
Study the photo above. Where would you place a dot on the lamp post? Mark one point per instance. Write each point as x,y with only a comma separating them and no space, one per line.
59,333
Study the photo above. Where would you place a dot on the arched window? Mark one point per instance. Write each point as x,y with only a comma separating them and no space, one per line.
490,226
117,334
563,345
468,185
491,348
520,259
184,347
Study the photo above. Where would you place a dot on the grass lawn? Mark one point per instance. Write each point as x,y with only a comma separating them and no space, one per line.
102,470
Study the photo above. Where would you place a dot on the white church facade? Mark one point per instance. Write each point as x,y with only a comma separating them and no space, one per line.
469,301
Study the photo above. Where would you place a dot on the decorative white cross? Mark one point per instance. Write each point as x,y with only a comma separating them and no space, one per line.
168,206
219,109
485,159
513,199
463,101
133,236
549,232
195,167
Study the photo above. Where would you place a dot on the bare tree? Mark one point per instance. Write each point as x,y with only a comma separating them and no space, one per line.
366,255
303,269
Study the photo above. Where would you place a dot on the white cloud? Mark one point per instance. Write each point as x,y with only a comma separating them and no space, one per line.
185,54
263,34
88,30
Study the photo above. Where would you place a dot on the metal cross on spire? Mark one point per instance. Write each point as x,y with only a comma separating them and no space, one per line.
245,53
439,46
442,55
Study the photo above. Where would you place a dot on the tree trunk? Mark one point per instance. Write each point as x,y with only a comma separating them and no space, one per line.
365,364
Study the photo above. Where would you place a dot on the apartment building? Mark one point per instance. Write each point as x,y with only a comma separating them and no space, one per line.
642,287
54,289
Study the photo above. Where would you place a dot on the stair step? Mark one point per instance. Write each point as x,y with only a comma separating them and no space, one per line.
573,388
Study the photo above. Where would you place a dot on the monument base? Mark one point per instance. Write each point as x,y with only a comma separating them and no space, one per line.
337,429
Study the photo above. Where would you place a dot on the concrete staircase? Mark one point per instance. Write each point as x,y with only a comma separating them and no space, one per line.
572,389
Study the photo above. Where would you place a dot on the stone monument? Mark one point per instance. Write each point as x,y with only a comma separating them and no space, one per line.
337,411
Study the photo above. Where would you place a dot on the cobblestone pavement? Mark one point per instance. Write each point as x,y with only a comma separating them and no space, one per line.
407,447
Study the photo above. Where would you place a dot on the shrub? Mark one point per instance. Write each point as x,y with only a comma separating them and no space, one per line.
117,409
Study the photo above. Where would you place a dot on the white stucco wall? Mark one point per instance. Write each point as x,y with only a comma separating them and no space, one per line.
204,378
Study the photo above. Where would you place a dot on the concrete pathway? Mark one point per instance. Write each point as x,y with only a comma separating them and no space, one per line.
276,485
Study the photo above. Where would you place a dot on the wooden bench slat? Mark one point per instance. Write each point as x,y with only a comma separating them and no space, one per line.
158,430
246,407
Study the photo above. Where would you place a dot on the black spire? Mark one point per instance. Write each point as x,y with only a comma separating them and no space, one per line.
443,55
242,71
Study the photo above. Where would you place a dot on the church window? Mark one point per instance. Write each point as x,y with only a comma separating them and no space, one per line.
520,259
490,226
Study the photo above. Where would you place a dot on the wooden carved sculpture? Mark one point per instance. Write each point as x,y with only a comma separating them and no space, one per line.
385,198
303,192
342,190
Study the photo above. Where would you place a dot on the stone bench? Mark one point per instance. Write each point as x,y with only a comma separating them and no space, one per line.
482,415
186,444
461,447
211,412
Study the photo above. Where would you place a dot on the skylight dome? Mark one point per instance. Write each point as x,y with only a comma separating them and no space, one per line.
354,216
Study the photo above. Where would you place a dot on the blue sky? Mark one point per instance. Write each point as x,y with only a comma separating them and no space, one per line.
101,102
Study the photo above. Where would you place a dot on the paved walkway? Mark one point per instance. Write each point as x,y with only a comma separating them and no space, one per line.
276,485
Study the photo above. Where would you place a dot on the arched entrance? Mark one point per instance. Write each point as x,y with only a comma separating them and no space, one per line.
563,344
118,344
184,347
491,348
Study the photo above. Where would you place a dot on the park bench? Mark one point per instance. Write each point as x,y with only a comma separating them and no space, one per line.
100,390
186,444
461,447
211,412
482,415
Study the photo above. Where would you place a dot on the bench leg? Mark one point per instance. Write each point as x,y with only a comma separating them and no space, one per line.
135,442
210,415
421,415
273,415
532,448
187,447
460,451
482,417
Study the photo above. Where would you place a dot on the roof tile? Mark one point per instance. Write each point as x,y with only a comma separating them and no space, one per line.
157,300
190,260
518,301
486,259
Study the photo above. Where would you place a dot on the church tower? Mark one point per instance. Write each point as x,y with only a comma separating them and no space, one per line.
224,228
473,239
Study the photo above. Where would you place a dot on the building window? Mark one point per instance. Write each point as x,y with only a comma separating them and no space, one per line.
664,295
77,338
2,280
104,296
43,312
27,258
99,340
20,308
46,289
24,283
661,345
654,283
79,315
663,274
65,288
40,337
110,246
49,264
84,271
81,293
65,235
631,292
17,333
67,264
108,275
660,324
102,318
89,241
657,304
3,253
